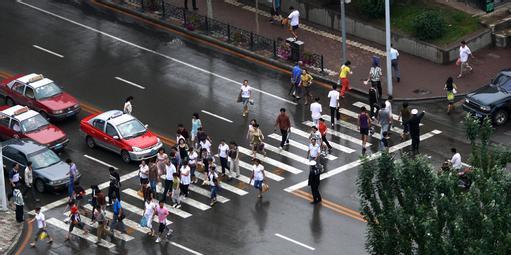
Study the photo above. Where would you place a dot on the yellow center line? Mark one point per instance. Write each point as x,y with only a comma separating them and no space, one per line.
330,205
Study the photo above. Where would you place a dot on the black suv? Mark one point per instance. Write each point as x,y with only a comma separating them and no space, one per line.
492,100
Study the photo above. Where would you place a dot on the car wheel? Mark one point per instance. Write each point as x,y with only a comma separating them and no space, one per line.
500,117
39,185
125,156
90,142
9,101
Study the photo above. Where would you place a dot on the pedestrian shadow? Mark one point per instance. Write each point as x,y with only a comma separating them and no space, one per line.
260,213
315,224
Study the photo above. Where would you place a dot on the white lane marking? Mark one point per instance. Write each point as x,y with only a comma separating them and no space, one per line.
355,115
185,248
298,145
394,116
87,192
271,161
99,161
268,174
118,234
171,209
286,154
217,116
48,51
349,125
129,223
129,82
153,51
207,194
334,145
224,185
339,134
80,233
359,161
133,209
294,241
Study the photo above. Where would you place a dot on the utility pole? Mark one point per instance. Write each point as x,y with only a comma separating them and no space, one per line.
3,196
388,43
343,30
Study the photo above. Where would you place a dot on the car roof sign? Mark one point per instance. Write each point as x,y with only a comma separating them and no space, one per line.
35,78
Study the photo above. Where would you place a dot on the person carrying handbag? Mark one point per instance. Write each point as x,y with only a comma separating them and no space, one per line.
246,96
100,218
42,232
306,84
258,177
257,141
451,89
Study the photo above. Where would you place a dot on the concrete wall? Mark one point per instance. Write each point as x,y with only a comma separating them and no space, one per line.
331,18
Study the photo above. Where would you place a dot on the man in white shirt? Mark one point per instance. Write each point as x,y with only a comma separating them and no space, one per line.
41,226
394,60
314,150
223,150
333,95
465,54
294,21
456,160
128,108
170,169
316,110
29,182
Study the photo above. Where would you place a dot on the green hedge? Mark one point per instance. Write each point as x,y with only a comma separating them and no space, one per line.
429,25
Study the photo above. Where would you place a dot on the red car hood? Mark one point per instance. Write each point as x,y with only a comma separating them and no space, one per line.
46,135
59,102
144,141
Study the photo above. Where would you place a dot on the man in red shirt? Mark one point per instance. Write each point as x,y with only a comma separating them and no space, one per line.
284,124
322,129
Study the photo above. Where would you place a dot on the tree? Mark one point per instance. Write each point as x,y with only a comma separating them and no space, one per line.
411,208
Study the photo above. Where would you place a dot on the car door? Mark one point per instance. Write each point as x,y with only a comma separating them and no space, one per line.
97,132
18,93
30,98
5,131
112,138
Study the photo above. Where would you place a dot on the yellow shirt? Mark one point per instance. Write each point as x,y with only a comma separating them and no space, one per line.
345,70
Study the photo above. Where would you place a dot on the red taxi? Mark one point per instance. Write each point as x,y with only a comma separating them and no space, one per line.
20,121
120,133
41,94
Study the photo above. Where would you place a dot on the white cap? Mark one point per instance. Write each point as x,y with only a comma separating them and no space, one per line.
415,111
312,162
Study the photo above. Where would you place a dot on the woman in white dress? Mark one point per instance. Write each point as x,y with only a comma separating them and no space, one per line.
149,207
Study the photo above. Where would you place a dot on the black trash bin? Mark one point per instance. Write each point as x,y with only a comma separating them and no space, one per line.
296,49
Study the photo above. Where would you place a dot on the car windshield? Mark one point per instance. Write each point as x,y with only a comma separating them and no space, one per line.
47,91
33,123
131,128
504,83
43,158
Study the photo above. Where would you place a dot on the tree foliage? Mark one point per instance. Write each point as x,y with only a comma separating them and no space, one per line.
372,8
429,25
411,208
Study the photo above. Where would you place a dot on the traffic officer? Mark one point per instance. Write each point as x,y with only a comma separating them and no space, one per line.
314,180
414,125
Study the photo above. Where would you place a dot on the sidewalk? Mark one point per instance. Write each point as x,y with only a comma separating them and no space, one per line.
420,79
10,231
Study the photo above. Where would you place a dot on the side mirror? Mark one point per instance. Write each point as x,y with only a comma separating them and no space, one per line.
146,125
116,137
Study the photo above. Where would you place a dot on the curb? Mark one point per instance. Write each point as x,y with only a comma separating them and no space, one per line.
12,248
326,82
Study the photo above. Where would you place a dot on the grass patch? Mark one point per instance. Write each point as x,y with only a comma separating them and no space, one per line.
459,24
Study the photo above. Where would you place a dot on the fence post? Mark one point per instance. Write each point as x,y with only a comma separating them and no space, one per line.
184,16
162,9
228,33
274,49
207,24
322,67
251,40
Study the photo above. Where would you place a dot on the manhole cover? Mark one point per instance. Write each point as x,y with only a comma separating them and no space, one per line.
422,91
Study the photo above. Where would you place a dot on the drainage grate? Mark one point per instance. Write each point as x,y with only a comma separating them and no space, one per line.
422,92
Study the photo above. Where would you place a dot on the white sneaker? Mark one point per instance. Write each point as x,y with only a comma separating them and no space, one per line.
178,206
158,239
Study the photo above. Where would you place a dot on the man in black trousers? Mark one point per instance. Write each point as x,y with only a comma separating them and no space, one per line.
314,182
415,132
194,4
115,185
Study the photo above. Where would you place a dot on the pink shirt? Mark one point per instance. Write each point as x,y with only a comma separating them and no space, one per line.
162,214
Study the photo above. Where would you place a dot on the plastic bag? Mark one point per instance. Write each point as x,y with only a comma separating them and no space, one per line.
43,235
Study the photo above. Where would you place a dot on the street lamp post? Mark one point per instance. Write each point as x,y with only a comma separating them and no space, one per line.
3,197
343,30
388,43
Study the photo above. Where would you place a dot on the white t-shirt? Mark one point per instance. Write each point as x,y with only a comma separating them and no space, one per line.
212,175
294,16
143,171
314,150
185,175
334,96
245,91
388,106
464,52
127,108
223,150
39,217
192,158
456,161
169,171
258,172
206,145
393,54
316,110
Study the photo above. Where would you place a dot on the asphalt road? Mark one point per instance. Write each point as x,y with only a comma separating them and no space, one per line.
170,79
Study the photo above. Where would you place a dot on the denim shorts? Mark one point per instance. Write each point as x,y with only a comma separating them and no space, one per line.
258,184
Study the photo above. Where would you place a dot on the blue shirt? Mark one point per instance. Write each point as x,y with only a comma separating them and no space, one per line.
117,207
72,171
297,74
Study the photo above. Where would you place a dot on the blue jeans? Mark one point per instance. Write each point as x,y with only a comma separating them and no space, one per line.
152,183
258,184
214,189
71,186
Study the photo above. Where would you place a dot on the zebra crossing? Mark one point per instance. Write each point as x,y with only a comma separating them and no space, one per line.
279,163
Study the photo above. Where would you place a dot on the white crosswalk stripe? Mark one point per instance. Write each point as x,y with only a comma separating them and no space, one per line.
355,115
298,145
129,223
339,134
118,234
133,209
351,126
224,185
271,161
80,233
268,174
206,193
171,209
360,104
285,153
334,145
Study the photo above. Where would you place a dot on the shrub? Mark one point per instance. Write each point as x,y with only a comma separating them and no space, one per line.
429,25
372,8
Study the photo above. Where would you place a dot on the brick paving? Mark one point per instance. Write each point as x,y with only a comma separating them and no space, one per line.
9,230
